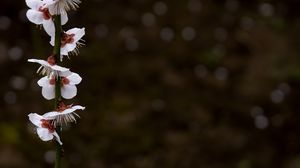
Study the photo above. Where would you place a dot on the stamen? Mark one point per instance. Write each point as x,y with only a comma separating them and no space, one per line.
70,4
67,39
46,13
44,70
48,124
66,118
65,81
78,45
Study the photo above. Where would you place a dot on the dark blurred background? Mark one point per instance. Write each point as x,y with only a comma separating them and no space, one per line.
167,84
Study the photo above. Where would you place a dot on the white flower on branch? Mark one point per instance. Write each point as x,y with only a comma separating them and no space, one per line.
57,7
44,127
69,80
64,114
70,41
39,14
49,66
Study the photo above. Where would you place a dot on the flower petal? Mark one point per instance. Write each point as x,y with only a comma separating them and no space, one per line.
74,79
34,16
59,68
42,62
55,7
48,91
64,19
49,27
45,63
72,109
44,134
61,6
68,91
64,51
44,81
57,138
78,107
51,115
79,33
49,2
33,4
52,40
35,119
65,73
68,48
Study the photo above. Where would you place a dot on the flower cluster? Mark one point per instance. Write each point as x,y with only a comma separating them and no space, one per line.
58,82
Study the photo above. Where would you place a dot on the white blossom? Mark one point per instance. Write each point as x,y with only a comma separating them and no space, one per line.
49,66
57,7
70,41
64,114
39,14
69,80
44,127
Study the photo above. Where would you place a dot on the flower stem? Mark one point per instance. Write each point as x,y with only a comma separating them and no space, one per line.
57,40
56,52
58,155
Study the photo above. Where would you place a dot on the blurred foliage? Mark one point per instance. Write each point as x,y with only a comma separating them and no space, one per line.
167,84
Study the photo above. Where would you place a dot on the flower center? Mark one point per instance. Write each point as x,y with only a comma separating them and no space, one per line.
46,14
51,60
48,124
52,80
67,39
62,107
65,81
